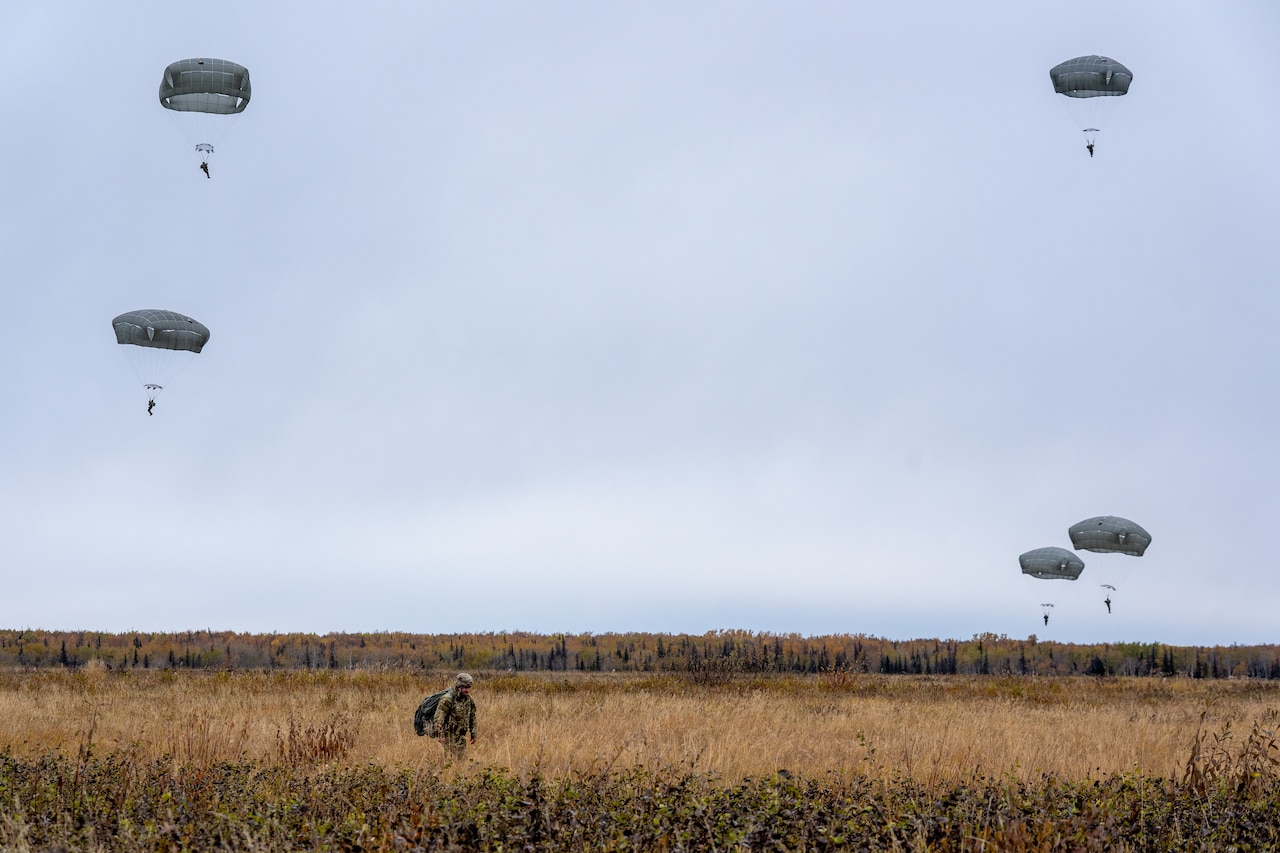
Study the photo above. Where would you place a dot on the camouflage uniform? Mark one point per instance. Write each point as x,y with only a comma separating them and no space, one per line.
456,718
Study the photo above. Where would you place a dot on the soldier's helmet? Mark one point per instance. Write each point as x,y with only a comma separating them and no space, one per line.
463,680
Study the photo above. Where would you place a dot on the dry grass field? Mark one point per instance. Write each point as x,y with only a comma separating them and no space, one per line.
931,729
97,759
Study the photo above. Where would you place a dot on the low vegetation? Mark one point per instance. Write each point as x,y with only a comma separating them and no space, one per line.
99,759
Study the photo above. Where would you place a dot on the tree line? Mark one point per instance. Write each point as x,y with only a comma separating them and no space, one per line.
713,653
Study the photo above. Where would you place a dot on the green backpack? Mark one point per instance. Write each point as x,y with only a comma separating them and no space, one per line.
424,719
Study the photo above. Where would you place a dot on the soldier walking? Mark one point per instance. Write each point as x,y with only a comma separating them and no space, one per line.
455,717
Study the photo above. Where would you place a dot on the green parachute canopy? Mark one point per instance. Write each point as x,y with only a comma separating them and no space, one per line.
163,329
157,343
1051,564
1109,534
1090,77
204,97
205,86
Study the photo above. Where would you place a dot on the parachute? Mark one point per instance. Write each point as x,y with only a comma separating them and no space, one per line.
204,96
1051,564
156,342
1109,534
1092,85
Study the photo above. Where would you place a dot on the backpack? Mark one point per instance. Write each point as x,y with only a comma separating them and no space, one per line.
424,718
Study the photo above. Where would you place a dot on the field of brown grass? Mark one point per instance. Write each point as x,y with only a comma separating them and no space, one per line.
933,729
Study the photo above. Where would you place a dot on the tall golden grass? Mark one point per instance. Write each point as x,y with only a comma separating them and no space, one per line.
933,729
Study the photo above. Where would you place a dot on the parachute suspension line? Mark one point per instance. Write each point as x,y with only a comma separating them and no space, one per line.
143,364
212,130
1117,569
204,132
155,367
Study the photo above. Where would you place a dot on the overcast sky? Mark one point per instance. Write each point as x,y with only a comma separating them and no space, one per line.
663,316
